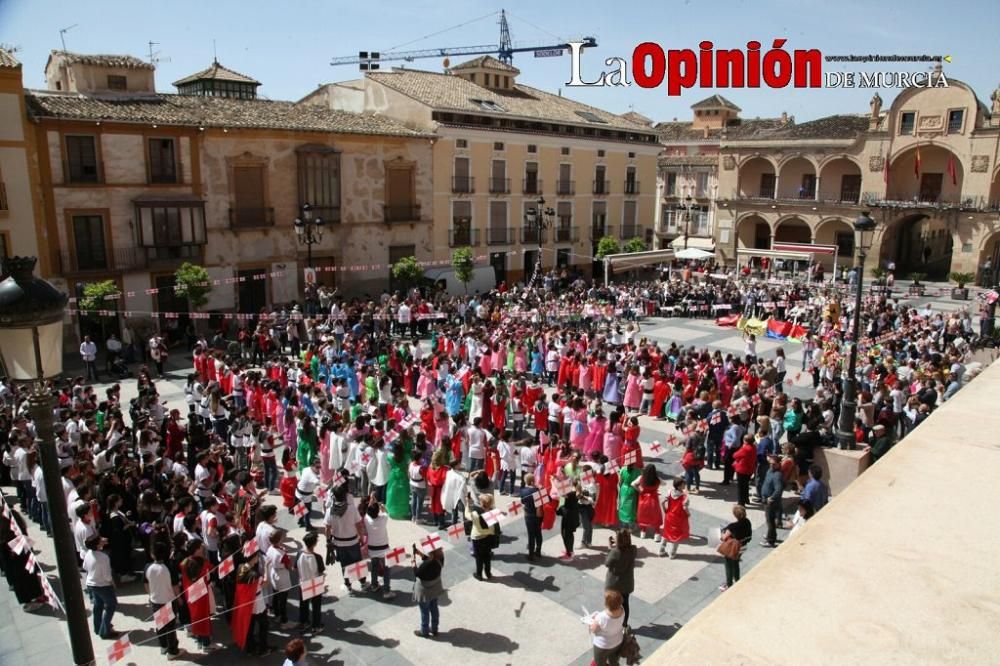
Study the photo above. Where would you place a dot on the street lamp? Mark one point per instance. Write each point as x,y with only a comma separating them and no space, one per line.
864,227
687,207
539,218
31,326
309,230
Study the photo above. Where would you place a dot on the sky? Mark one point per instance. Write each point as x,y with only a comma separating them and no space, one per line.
287,45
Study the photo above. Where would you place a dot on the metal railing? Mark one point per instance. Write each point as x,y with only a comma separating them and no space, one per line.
630,231
566,234
602,187
499,236
531,186
463,237
599,230
120,259
530,234
401,213
463,184
565,187
912,199
499,185
250,217
631,186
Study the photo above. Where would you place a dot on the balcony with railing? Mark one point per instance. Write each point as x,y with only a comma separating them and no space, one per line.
566,234
630,231
602,187
120,259
928,200
463,237
251,217
499,236
631,186
565,187
531,186
599,230
463,185
532,235
499,185
401,212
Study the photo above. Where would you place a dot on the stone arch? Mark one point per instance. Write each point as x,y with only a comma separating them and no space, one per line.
792,229
756,178
836,231
917,243
994,200
797,179
989,250
785,159
935,183
840,180
753,231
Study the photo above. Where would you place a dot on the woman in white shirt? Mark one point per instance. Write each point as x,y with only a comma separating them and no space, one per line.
608,629
278,574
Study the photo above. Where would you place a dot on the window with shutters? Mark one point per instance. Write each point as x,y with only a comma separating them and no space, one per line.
162,161
532,184
498,177
81,160
89,243
629,228
498,232
462,180
601,184
564,225
565,183
400,198
462,234
319,181
250,203
398,252
599,220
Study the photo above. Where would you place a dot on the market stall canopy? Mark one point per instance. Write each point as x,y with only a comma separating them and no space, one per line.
706,244
694,253
628,260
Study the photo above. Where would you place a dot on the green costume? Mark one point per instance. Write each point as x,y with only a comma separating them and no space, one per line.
397,492
308,446
371,388
628,497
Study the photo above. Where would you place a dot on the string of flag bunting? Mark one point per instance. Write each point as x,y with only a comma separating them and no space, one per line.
21,543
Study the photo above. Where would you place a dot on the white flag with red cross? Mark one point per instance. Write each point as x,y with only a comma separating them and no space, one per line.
630,457
19,543
226,566
396,555
197,590
612,467
300,510
656,447
119,649
515,508
430,543
250,547
456,531
164,616
588,477
493,517
313,587
562,487
357,571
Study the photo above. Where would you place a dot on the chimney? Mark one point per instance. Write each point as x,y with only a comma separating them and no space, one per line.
784,117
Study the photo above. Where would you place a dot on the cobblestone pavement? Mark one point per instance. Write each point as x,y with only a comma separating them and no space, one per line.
529,612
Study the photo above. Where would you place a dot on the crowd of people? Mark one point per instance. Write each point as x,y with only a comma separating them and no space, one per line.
427,409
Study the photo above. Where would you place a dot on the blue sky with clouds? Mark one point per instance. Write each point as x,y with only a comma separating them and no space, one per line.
288,44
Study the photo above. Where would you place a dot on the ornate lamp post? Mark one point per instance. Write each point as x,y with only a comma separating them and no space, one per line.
309,230
31,327
864,227
540,218
687,207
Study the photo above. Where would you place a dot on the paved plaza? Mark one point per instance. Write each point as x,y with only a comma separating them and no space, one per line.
529,613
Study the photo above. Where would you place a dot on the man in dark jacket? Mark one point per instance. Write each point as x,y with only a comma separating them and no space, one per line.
771,496
881,442
532,519
718,422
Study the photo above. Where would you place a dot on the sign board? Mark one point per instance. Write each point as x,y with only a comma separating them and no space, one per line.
309,275
548,53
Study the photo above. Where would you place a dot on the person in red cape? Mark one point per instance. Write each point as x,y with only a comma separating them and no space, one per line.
649,515
196,567
676,523
606,509
249,623
661,391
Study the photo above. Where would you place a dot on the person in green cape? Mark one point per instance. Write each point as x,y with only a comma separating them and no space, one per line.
628,497
397,496
308,441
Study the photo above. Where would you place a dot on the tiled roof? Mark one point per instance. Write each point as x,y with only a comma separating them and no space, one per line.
445,92
688,160
105,60
218,73
488,62
715,102
830,127
634,117
199,111
7,59
737,129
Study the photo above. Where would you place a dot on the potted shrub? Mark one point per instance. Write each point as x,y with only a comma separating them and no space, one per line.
961,292
878,283
916,289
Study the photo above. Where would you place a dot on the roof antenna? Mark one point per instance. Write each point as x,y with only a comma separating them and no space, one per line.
154,56
215,54
62,34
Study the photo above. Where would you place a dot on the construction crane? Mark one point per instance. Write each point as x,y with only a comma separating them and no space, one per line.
370,60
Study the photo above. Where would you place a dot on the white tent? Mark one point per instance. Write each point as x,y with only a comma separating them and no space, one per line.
629,260
694,253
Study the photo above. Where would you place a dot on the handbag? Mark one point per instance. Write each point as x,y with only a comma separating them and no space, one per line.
629,648
730,548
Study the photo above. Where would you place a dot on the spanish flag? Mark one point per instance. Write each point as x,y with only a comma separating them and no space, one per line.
916,164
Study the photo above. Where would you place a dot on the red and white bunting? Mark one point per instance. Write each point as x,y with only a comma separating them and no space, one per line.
612,466
430,543
197,590
456,531
19,543
300,510
119,649
630,457
226,566
493,517
250,547
313,587
397,555
358,570
515,508
164,616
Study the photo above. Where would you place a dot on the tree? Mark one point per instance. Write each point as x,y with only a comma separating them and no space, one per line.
462,262
192,282
635,245
96,300
607,246
407,272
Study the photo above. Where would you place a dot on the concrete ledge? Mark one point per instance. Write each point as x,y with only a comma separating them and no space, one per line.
899,568
841,468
